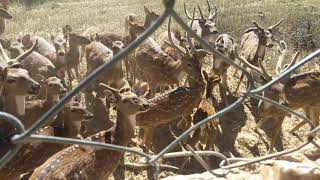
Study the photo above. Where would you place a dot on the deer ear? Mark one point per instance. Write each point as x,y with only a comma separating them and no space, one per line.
146,10
4,14
110,96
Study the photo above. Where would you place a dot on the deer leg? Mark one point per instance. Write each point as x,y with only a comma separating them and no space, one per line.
119,173
76,70
147,139
261,122
69,78
275,132
224,89
310,115
240,80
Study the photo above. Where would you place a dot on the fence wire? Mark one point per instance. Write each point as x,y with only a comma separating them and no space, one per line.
27,135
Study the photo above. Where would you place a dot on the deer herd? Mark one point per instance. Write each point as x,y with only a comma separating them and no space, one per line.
162,82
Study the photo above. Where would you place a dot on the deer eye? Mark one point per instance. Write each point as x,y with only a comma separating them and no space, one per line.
10,81
189,65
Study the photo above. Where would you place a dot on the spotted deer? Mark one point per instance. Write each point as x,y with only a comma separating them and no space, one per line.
223,44
293,91
63,165
206,137
254,43
178,103
158,67
33,154
67,47
36,108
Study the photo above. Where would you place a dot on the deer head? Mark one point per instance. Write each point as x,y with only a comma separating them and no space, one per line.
204,26
264,33
127,102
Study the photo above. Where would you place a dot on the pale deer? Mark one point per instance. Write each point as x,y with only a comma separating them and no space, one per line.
63,165
178,103
4,15
294,91
33,154
67,48
254,43
223,44
203,26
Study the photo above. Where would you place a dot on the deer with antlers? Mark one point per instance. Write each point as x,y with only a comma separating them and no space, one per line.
177,103
254,43
63,165
294,91
203,26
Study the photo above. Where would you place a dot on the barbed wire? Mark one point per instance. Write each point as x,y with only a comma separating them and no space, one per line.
27,135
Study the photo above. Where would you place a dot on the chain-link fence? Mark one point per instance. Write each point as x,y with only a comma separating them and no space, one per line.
26,135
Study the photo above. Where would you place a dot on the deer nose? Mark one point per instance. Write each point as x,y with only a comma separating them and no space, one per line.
63,90
145,105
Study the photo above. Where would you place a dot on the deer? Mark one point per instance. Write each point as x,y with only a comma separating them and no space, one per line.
177,103
36,108
67,48
204,27
206,137
254,43
159,68
4,15
293,91
62,165
33,154
224,44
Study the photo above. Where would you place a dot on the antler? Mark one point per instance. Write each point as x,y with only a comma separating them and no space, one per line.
113,90
187,13
4,55
212,13
257,25
260,70
27,53
183,51
202,17
276,25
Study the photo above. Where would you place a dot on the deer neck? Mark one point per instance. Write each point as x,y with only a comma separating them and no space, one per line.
125,127
15,104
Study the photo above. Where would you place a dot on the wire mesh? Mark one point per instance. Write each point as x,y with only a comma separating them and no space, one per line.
27,135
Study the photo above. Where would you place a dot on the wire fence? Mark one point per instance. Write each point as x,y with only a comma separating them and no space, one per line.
26,135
